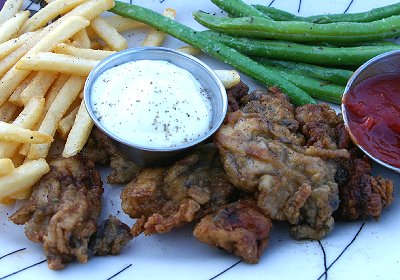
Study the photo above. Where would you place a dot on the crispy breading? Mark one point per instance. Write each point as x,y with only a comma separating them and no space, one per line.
168,197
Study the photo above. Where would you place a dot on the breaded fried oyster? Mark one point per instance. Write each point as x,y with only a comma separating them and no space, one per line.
168,197
62,214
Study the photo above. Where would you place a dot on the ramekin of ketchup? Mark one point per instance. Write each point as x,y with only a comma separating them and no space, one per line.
371,109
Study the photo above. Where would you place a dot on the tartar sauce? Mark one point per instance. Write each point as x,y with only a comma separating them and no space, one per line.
151,103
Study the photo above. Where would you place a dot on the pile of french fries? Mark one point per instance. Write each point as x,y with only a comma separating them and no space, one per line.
43,68
44,61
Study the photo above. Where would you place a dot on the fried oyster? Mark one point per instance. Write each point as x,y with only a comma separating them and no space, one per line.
168,197
101,150
240,228
62,214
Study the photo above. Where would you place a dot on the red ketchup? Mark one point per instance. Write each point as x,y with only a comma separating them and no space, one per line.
373,116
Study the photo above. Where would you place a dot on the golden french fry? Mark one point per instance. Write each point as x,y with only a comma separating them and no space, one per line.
15,97
65,125
24,150
6,166
31,113
60,105
28,118
38,86
84,53
229,78
22,194
189,50
79,133
122,24
54,90
68,64
10,60
82,39
10,8
60,33
7,111
23,177
48,13
66,29
13,133
9,29
7,201
155,37
91,9
75,104
7,47
109,34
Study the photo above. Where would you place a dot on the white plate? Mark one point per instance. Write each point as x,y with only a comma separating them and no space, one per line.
372,247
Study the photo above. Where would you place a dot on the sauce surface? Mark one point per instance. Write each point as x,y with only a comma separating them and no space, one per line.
373,112
151,103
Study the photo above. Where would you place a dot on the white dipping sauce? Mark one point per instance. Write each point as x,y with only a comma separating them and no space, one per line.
151,103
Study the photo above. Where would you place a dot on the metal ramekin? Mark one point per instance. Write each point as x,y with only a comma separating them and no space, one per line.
147,156
385,63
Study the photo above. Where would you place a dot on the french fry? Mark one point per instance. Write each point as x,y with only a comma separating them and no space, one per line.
15,97
24,150
31,113
84,53
7,47
38,86
11,27
9,61
189,50
6,166
109,34
122,24
60,105
229,78
7,111
54,90
75,104
13,133
48,13
66,29
23,177
82,39
22,194
7,201
28,118
155,37
65,125
68,64
10,8
60,33
91,9
79,133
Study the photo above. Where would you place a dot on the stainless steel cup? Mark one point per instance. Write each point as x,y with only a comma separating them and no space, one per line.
385,63
147,156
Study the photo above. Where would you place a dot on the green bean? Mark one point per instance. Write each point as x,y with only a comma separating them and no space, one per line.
315,88
337,76
298,31
238,8
277,14
351,56
212,47
371,15
358,44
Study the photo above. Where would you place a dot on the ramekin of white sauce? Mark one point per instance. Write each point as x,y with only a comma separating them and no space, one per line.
155,102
